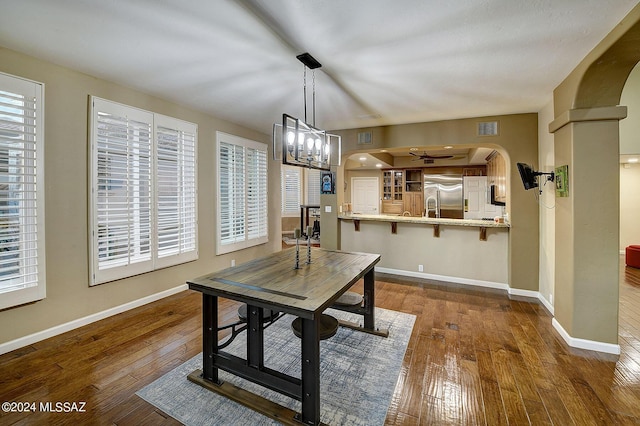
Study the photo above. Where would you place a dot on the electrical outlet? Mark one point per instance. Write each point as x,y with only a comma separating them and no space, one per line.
233,262
420,268
551,299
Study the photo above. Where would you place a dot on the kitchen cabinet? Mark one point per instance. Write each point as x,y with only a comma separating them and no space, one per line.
497,175
392,191
413,180
414,192
414,203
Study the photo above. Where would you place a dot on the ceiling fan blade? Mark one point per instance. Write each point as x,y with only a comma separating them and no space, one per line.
439,157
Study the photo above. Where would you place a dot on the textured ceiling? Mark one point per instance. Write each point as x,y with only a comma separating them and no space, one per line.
384,62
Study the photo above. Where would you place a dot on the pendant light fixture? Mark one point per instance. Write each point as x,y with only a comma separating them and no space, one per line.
300,143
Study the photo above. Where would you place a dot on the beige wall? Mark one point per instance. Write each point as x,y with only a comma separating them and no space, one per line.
629,205
68,294
517,142
547,207
630,126
630,177
458,255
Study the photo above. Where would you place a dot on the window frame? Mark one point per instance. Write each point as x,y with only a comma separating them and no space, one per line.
15,295
312,185
262,183
100,271
283,184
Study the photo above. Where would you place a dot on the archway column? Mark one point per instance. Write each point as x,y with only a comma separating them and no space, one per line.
587,223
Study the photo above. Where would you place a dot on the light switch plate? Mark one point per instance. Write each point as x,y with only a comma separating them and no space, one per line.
327,209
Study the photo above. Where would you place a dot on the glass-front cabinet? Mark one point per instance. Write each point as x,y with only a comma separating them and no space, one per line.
392,191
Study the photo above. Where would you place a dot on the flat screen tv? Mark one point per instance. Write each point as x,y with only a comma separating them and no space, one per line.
528,176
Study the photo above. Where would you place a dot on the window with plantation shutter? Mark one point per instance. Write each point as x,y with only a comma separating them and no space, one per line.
176,190
290,188
22,257
143,191
242,193
313,187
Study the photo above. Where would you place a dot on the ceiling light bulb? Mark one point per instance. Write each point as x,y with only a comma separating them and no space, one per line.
290,138
378,165
632,160
363,158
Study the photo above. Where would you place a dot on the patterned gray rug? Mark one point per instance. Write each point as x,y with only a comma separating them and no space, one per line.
358,374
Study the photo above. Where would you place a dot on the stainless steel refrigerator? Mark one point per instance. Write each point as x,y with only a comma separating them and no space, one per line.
443,196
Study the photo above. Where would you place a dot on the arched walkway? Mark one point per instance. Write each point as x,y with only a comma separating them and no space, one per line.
586,138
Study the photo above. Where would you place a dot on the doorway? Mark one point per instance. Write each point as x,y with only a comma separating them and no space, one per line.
365,195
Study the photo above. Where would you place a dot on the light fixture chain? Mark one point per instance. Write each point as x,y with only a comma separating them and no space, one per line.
313,79
304,89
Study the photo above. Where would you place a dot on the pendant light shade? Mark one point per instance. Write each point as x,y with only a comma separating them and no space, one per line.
301,144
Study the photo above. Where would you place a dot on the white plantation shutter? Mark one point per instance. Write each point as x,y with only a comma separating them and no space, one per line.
242,193
176,190
313,187
232,182
122,232
22,260
290,188
143,194
256,193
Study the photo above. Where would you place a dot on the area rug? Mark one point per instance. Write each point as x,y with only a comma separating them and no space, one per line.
358,374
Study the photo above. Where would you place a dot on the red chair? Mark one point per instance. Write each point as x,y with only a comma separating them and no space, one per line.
632,256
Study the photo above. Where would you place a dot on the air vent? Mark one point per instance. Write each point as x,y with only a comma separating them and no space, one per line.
364,138
488,128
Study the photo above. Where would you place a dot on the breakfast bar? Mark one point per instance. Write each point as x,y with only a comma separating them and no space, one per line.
465,251
273,282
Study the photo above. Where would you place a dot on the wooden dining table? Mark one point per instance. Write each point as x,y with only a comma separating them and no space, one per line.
272,282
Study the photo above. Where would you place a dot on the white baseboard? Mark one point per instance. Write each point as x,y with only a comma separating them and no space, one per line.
71,325
591,345
546,303
457,280
524,293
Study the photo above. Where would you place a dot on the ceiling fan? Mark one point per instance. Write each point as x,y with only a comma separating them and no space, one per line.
430,159
426,156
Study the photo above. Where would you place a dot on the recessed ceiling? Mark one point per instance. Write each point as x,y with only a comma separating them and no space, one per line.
407,157
383,62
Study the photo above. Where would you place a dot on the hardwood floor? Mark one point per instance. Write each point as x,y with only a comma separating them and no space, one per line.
475,357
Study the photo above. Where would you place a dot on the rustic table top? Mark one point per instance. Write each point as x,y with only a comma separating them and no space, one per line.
272,281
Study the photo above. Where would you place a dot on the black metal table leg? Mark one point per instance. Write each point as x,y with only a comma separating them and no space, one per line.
255,337
369,300
209,337
310,371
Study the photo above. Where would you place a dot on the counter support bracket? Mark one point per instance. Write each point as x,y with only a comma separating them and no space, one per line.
436,231
483,233
356,225
394,227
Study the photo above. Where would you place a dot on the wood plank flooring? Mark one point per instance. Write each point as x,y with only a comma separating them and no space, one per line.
475,357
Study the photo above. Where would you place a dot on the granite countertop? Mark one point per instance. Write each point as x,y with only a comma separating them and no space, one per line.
423,220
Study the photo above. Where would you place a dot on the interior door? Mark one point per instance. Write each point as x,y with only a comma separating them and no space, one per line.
365,195
475,188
